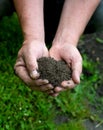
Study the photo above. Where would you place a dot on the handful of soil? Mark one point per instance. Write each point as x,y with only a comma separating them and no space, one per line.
54,71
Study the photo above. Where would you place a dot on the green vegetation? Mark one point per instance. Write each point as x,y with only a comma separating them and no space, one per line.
24,109
99,40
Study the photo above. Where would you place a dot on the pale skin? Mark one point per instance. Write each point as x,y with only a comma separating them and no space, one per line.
74,18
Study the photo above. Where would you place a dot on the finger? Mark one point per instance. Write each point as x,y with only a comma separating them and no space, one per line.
46,88
76,71
50,91
34,74
68,84
21,72
40,82
54,94
32,66
58,89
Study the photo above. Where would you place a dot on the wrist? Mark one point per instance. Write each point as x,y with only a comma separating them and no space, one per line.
64,38
33,40
33,36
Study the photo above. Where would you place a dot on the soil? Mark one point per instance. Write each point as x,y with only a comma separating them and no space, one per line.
92,46
54,71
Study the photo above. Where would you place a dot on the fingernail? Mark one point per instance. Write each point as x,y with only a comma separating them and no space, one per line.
64,84
50,86
34,74
58,89
46,81
77,78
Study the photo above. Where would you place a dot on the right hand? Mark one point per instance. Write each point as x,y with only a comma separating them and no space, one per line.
26,65
70,54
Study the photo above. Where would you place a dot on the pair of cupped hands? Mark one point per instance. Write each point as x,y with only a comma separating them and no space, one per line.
26,65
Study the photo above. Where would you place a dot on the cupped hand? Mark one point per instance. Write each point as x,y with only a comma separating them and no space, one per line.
26,65
70,54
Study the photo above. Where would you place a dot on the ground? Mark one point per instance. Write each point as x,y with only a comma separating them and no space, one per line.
57,70
24,109
92,46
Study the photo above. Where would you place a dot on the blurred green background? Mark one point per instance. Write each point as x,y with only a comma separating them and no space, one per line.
24,109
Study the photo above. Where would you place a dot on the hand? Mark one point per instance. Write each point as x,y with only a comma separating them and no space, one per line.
26,65
70,54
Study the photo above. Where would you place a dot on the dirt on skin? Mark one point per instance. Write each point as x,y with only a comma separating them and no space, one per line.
54,71
92,46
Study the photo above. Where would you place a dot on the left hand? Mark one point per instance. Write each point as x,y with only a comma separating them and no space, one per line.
26,65
70,54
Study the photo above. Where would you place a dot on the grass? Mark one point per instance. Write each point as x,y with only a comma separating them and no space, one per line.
24,109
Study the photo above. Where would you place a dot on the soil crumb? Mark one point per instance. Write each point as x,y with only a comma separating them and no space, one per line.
54,71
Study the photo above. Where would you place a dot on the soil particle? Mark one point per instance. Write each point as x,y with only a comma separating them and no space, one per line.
54,71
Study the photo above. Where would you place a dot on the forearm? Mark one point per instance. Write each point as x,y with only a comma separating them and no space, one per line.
30,13
74,18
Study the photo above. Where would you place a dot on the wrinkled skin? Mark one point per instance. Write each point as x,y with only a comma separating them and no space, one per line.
26,65
68,32
71,55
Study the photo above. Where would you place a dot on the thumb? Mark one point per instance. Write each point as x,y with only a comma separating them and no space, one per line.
76,71
34,74
32,67
76,76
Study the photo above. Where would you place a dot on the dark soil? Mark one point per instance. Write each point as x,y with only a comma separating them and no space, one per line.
92,46
54,71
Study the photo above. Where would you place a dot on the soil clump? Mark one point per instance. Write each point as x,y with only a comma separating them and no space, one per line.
54,71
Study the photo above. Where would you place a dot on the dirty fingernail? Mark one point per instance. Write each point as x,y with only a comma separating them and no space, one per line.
34,74
46,81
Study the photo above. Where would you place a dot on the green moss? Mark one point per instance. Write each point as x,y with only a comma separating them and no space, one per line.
24,109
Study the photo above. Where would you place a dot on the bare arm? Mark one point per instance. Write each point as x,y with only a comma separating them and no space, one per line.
74,18
30,14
